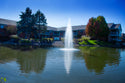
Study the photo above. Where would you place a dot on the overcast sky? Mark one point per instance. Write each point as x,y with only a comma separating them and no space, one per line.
57,12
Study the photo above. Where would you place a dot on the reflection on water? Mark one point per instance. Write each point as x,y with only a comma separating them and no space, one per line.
68,60
96,58
7,54
33,60
89,65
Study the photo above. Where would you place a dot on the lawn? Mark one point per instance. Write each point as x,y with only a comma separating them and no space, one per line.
93,42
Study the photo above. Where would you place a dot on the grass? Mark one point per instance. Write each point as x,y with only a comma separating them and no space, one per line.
94,42
86,41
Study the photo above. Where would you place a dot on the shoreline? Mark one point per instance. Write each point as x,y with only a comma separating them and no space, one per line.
112,46
28,47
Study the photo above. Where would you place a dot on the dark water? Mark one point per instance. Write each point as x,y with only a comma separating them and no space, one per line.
88,65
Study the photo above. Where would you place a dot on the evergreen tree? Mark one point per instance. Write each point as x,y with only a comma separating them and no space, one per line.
40,22
26,24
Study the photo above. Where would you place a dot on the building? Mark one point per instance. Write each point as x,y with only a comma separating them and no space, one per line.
115,34
78,31
123,37
7,24
58,33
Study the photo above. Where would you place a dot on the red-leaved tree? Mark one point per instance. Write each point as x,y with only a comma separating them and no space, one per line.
97,28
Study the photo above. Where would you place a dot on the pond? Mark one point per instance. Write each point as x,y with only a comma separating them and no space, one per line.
52,65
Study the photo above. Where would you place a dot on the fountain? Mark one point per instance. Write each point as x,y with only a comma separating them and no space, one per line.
68,43
68,47
69,36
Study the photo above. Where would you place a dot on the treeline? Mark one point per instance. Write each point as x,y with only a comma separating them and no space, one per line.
31,25
97,28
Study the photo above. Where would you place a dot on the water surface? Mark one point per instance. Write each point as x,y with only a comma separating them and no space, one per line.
52,65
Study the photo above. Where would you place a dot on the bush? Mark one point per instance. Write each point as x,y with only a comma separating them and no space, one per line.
14,37
85,38
25,41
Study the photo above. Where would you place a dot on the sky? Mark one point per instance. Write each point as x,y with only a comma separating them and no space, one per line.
58,12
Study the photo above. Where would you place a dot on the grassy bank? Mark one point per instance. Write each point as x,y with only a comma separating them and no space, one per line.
87,41
94,42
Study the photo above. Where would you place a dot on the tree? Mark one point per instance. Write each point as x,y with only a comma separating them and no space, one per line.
97,28
26,24
90,28
104,30
31,25
40,22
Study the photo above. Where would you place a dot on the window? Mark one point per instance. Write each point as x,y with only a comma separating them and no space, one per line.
1,26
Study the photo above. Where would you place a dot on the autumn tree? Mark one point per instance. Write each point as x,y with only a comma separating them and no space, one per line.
97,28
90,28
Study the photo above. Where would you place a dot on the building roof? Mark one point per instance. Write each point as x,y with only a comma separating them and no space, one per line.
51,28
117,25
7,22
110,25
78,27
113,26
81,27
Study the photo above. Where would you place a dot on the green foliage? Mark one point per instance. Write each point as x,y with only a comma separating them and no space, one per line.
40,19
94,42
25,41
84,38
40,22
3,80
26,24
104,30
30,25
88,42
97,28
